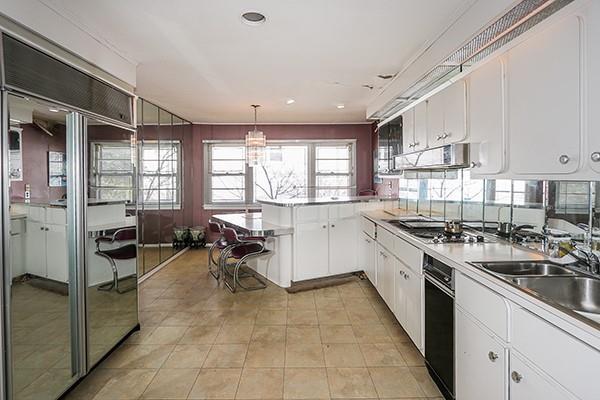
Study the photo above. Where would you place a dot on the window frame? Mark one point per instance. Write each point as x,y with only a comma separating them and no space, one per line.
249,175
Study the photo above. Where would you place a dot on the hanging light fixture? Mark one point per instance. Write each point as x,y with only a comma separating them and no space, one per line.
256,143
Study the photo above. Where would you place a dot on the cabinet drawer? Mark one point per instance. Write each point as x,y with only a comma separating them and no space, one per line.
338,211
17,226
569,361
411,256
35,213
368,226
312,214
486,306
57,216
386,239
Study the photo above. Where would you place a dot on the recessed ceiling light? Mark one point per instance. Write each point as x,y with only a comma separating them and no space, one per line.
253,18
53,109
340,106
290,101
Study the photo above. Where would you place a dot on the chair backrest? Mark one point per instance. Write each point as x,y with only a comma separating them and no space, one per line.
230,235
367,192
125,234
214,227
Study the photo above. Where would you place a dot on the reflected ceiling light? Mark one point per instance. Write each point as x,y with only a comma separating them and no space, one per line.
253,18
340,106
290,101
256,143
53,109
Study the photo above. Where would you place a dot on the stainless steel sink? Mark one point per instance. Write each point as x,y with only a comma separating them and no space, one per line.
577,293
526,268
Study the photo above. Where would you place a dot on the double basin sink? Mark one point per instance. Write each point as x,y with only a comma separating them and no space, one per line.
555,283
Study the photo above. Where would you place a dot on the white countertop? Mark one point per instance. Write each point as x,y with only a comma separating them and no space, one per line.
458,256
252,224
311,201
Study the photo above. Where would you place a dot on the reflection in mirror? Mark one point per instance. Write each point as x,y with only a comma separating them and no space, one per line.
112,233
40,332
164,183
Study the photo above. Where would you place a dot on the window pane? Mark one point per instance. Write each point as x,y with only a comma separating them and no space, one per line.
228,195
228,152
150,196
333,180
150,152
116,181
115,165
335,166
225,182
150,167
167,196
339,152
229,166
115,194
150,182
284,175
168,167
115,153
168,182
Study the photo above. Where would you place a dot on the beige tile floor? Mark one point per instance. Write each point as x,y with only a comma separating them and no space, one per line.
199,341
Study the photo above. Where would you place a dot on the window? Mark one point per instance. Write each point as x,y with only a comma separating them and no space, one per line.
113,173
571,197
291,170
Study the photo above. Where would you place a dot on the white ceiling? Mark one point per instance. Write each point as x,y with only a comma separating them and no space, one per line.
197,59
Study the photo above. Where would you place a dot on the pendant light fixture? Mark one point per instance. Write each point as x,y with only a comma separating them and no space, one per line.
256,143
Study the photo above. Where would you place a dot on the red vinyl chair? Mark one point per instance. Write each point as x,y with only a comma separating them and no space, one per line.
241,249
125,252
219,244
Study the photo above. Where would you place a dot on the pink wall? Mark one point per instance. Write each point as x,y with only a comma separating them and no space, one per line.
36,144
363,134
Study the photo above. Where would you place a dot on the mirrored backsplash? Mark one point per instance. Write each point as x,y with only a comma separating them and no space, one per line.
571,206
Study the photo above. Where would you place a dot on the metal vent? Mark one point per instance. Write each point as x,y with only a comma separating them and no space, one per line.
32,71
515,22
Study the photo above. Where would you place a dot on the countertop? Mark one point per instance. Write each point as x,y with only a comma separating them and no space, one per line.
459,256
311,201
252,224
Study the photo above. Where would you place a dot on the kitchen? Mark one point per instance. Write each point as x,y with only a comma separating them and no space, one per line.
422,225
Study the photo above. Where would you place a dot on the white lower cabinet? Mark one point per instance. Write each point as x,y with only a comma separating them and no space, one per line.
56,255
526,383
312,246
387,265
35,238
481,361
367,257
342,245
408,305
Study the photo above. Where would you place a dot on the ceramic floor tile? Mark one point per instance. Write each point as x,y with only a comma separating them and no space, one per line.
382,355
411,355
372,333
265,354
130,384
219,383
171,384
304,355
305,383
303,317
269,333
179,319
337,334
332,317
343,355
272,317
187,356
395,382
428,386
200,335
346,383
138,356
234,334
297,334
260,383
226,356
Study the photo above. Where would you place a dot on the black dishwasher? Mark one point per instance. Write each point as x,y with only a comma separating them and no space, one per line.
439,324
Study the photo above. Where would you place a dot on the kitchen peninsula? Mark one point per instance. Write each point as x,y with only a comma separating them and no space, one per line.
323,238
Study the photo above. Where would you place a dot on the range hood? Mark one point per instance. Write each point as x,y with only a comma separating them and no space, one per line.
443,157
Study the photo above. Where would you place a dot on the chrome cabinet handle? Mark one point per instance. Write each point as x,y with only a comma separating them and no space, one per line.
475,164
445,135
439,137
564,159
595,156
492,356
324,226
406,276
382,254
516,377
367,240
416,144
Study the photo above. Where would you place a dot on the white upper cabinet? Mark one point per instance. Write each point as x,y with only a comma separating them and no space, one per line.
544,101
592,25
486,118
420,126
446,115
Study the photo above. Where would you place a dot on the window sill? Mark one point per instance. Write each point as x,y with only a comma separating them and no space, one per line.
254,207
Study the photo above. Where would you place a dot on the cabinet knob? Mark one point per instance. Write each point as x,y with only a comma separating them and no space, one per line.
333,225
516,377
564,159
367,240
324,226
492,356
415,144
411,145
41,228
445,135
475,164
406,276
595,156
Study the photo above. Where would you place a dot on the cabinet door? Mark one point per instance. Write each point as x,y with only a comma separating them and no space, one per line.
383,150
544,101
385,276
408,130
420,126
413,289
343,246
366,257
35,248
455,117
435,120
56,253
527,384
481,364
486,117
312,255
400,296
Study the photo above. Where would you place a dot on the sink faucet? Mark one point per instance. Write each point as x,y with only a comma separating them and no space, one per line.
589,259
